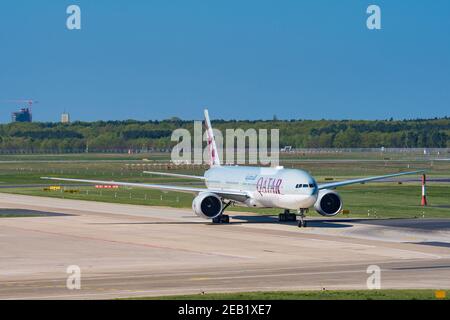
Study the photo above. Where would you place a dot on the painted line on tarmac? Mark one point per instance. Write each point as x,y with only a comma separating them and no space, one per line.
154,246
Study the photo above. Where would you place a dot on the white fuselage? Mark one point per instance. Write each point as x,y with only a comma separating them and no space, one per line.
266,187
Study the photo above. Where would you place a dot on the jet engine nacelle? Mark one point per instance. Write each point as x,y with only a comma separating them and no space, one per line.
207,205
328,203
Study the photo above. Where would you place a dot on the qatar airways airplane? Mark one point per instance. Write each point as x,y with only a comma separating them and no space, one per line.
258,187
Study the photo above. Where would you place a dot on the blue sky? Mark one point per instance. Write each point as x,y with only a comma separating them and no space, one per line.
243,59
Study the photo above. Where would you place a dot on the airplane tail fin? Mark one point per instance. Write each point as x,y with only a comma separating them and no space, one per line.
213,154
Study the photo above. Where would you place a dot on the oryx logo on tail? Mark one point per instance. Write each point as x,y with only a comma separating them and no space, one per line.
212,147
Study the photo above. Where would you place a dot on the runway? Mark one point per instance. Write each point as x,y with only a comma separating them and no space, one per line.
128,251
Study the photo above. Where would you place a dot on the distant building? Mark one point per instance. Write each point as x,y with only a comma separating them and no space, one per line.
24,115
65,118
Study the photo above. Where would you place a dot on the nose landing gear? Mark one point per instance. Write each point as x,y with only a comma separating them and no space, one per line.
302,222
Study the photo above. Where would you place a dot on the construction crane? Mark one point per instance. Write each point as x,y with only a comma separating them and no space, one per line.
29,102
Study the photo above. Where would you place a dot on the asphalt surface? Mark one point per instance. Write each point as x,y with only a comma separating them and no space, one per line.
127,251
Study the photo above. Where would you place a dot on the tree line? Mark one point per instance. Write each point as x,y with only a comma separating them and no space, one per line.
120,136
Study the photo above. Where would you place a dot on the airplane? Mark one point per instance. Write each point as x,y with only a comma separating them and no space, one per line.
256,187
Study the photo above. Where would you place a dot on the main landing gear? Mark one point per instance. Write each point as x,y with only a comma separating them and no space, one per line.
222,218
286,216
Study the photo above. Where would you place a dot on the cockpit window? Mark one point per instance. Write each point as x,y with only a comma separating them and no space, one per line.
311,185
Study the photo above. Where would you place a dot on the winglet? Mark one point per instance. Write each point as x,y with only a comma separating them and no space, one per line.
212,148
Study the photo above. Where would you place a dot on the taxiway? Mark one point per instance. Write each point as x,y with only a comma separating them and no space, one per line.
129,250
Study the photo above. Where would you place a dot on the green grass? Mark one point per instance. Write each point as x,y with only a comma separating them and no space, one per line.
122,195
310,295
85,157
396,201
128,167
387,200
312,155
382,200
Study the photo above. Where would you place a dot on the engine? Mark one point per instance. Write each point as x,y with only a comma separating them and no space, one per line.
207,205
328,203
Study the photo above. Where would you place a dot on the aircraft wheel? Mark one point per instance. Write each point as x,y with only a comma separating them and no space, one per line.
302,224
223,218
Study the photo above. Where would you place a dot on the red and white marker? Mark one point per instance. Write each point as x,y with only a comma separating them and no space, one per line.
424,191
106,186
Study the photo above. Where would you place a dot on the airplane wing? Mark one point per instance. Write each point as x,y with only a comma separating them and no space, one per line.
175,175
333,185
228,194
